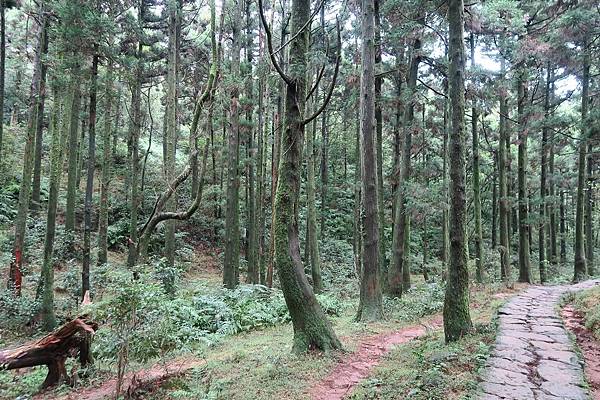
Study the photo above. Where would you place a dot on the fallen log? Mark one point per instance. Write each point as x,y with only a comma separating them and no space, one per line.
70,340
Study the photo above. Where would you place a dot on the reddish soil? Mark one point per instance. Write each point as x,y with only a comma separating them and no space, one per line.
133,381
358,365
590,347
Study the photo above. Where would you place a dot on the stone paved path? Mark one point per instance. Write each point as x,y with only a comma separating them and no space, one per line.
533,357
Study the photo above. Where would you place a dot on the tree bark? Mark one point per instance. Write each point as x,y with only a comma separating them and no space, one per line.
232,222
524,264
73,149
580,264
89,186
543,185
370,307
15,271
457,319
476,180
106,168
312,330
399,272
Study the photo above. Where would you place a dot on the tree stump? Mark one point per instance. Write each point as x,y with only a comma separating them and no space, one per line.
70,340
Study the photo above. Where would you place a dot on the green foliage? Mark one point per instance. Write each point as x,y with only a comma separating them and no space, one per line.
588,303
9,195
16,312
428,369
423,299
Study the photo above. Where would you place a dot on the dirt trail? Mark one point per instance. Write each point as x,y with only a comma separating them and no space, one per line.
132,380
358,365
589,346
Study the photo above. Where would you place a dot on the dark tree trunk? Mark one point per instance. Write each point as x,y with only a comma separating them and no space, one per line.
524,265
476,178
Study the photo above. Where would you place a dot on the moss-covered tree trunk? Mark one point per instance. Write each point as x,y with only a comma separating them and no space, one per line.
59,134
312,330
39,134
89,185
589,210
251,218
504,206
2,70
107,131
478,235
135,127
73,148
457,319
232,218
379,135
370,307
174,26
522,96
580,264
399,272
312,242
16,265
543,184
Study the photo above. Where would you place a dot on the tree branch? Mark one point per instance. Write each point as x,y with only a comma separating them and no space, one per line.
333,80
269,38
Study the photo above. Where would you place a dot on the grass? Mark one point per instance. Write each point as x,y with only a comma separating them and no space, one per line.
588,303
259,365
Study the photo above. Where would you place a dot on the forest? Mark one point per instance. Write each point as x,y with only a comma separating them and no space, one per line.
296,199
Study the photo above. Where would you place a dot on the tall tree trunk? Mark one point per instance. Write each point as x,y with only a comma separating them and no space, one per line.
552,231
589,211
106,168
357,226
457,319
135,127
171,131
312,242
16,265
524,265
445,188
495,199
543,185
2,71
89,185
73,149
312,330
563,228
252,255
59,135
580,267
476,177
232,219
37,164
370,307
399,272
379,149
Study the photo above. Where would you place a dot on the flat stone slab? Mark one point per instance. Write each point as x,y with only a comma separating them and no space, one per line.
533,357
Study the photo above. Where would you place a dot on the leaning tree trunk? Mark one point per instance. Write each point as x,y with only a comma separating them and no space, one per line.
370,307
15,272
580,267
89,185
457,319
312,330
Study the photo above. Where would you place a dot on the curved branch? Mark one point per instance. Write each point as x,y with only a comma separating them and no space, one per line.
269,38
316,85
306,25
333,80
